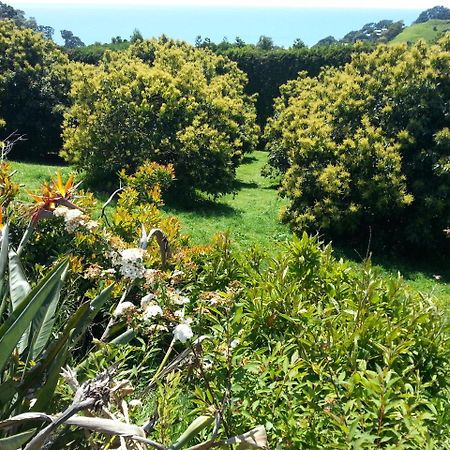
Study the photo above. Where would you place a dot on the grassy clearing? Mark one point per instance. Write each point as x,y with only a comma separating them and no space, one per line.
32,175
250,215
251,218
428,31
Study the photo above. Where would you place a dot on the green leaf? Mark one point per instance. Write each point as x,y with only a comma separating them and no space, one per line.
124,338
192,431
94,308
15,442
19,288
16,324
36,373
4,250
41,328
8,390
46,392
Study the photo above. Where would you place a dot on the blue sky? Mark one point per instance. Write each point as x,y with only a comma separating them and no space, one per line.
379,4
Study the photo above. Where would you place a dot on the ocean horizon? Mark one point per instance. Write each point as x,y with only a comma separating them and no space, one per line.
95,23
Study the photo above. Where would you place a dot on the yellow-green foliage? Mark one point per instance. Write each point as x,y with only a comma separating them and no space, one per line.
33,87
368,145
166,102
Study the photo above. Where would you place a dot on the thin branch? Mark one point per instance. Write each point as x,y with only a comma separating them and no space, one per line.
110,199
39,440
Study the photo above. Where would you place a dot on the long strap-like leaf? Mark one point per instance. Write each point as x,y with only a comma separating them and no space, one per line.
15,325
19,288
41,328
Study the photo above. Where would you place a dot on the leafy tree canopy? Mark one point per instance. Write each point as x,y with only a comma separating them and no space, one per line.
70,40
438,12
18,16
382,31
369,146
164,101
33,86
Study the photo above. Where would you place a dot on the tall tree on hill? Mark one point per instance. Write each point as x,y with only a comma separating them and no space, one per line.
18,17
438,12
70,40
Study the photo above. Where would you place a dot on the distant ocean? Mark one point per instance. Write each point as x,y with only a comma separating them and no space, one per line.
284,25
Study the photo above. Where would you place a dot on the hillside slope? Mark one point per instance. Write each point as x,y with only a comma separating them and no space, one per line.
428,31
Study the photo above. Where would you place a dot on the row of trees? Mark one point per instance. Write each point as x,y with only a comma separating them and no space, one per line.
364,145
267,66
18,16
159,100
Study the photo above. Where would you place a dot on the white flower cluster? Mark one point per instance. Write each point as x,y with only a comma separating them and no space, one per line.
130,262
150,307
182,332
177,298
123,309
74,218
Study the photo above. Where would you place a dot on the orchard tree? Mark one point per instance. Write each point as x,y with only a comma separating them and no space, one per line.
369,146
33,89
166,102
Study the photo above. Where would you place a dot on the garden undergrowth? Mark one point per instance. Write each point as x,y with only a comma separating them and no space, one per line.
251,217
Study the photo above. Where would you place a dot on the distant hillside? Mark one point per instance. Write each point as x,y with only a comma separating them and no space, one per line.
436,13
428,31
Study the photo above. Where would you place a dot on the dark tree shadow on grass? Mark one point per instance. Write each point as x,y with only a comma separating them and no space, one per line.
408,265
248,160
245,185
201,206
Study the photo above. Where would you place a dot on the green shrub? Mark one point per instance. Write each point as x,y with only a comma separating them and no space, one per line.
34,84
368,146
165,102
325,355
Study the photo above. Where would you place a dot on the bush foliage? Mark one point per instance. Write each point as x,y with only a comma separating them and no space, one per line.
34,82
368,146
333,357
305,347
161,101
267,68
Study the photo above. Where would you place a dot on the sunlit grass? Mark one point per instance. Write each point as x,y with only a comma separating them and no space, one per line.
251,216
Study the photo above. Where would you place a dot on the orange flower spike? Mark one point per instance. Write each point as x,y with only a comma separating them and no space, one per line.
37,198
69,184
61,188
59,185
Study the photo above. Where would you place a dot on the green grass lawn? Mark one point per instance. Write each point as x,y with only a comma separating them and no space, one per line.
428,31
32,175
251,218
250,215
